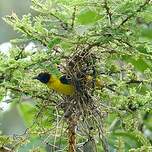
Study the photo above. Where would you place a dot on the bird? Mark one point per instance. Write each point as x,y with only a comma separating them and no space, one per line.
62,85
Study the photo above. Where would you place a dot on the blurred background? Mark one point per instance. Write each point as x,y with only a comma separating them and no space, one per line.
20,7
10,112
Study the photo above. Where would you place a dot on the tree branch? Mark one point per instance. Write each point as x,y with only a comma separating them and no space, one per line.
133,14
72,123
73,17
109,14
28,93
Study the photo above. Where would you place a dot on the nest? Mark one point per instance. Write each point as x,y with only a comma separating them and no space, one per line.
78,66
82,110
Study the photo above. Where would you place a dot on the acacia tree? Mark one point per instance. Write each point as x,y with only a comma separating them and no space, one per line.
108,40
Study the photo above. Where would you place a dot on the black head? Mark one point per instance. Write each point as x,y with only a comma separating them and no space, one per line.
43,77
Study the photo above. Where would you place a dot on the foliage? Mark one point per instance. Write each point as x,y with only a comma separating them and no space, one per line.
116,36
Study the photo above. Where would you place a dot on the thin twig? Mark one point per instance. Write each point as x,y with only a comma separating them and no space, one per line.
134,13
102,137
57,127
63,24
123,41
33,36
73,17
28,93
109,14
135,82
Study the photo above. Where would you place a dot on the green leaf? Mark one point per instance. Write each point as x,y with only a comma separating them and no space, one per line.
140,64
54,42
27,111
147,33
88,16
134,138
142,49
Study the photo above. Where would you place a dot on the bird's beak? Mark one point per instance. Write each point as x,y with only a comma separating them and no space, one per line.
35,77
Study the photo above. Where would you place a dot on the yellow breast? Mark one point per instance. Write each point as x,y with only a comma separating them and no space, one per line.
55,84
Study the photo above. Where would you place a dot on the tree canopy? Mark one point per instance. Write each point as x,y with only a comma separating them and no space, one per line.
109,40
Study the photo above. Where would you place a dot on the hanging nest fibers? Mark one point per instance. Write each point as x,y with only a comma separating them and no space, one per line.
82,110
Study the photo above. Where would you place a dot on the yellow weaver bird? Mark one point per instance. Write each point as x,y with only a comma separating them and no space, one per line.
62,85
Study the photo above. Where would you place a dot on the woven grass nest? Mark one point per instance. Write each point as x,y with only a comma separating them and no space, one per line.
82,110
78,66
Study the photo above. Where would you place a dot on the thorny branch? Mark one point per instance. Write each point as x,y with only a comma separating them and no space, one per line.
108,11
63,24
28,93
135,12
73,17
